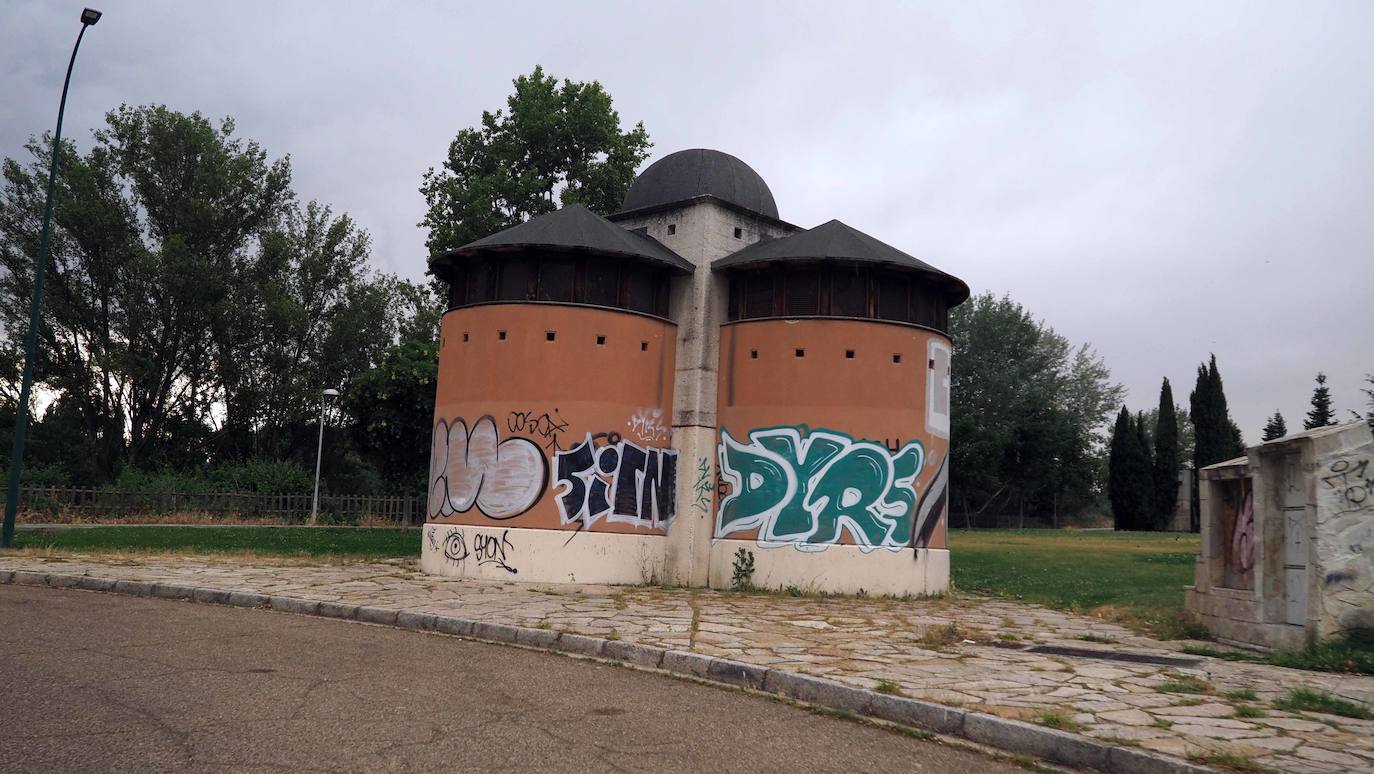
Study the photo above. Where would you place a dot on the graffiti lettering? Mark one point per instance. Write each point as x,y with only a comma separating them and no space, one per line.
806,488
620,481
648,425
543,426
1353,483
702,488
486,548
489,549
503,479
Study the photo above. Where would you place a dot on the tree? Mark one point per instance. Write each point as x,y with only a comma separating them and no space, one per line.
309,314
1028,413
393,402
1148,505
194,311
1167,459
1321,413
553,144
1275,427
1130,481
151,230
1216,436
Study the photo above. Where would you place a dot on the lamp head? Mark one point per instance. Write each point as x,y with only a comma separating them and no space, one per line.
90,16
331,393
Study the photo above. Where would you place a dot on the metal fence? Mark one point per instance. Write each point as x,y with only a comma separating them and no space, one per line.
80,502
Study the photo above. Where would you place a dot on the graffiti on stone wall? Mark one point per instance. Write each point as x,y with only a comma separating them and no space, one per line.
474,468
701,490
647,423
806,488
1238,529
487,549
1351,481
617,480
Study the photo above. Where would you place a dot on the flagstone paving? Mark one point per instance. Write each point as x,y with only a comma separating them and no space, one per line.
961,650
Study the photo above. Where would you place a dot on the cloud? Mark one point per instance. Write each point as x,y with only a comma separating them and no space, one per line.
1164,180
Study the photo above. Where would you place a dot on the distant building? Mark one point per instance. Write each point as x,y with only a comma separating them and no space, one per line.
635,398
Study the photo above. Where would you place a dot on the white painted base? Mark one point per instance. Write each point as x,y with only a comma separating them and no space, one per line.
541,555
839,569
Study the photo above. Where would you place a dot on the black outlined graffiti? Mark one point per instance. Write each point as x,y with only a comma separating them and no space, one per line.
490,549
543,426
486,548
455,548
475,468
703,487
1353,483
620,481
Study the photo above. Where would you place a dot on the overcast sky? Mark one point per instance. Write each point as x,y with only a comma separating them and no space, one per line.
1161,180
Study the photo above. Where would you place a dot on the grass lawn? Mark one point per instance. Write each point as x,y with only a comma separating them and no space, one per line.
362,543
1132,577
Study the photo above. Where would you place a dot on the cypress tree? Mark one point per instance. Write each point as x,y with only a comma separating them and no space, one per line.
1167,460
1216,437
1116,482
1144,474
1321,414
1130,478
1275,427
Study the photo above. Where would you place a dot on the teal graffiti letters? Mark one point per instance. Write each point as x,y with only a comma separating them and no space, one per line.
806,488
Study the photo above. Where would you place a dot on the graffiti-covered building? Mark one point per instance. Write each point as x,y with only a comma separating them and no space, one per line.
634,398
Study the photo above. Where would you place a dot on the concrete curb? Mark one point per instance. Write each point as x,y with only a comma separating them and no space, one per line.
1010,735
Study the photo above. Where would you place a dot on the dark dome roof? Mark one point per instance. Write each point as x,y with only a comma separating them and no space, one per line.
834,241
700,172
572,228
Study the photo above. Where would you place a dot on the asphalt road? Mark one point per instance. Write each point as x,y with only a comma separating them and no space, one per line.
104,682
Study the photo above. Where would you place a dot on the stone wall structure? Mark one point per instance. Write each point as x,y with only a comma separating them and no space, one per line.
636,398
1287,553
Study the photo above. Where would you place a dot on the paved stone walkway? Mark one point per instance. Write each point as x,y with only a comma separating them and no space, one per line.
963,651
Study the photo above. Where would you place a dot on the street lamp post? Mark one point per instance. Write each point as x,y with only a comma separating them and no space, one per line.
89,17
319,454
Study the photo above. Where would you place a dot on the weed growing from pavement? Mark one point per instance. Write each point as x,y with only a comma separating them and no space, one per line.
940,637
1058,720
1300,699
888,686
1241,694
1229,761
1249,711
1185,684
1097,638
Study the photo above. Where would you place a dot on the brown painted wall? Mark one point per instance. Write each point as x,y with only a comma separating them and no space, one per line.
784,374
507,406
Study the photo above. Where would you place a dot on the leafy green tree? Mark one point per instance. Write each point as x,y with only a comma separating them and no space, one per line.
1321,413
152,229
1028,413
394,407
1167,459
553,144
393,402
1275,427
194,310
310,314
